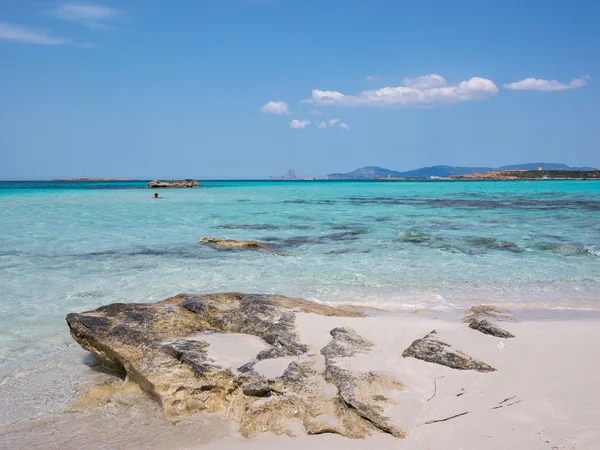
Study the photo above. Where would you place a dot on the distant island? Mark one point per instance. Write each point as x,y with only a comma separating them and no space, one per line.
94,179
290,175
374,172
532,175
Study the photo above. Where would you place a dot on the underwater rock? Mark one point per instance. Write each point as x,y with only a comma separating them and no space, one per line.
431,350
174,184
232,244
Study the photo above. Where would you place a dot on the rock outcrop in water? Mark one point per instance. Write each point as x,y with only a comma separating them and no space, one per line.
174,184
482,318
434,351
240,355
232,244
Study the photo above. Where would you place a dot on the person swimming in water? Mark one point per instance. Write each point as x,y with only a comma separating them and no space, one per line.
155,195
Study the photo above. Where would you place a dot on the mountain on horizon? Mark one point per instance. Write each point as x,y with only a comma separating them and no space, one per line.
370,172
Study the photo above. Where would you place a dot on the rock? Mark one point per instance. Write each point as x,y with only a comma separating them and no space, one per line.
173,350
482,317
489,328
232,244
345,343
431,350
362,391
174,184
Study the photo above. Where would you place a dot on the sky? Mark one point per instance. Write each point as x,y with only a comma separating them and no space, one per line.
251,88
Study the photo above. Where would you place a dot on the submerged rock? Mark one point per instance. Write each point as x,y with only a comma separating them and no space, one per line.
230,243
174,184
483,316
431,350
209,353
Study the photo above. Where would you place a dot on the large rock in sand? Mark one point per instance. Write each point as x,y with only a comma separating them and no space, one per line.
434,351
482,318
240,355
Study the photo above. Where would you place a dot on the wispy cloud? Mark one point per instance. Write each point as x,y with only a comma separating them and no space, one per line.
535,84
275,108
321,124
426,81
332,122
299,123
344,126
24,35
315,112
88,14
371,78
427,91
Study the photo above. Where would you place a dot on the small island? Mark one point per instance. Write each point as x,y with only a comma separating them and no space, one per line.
180,184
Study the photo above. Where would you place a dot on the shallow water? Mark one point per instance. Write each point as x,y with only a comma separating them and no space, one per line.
400,245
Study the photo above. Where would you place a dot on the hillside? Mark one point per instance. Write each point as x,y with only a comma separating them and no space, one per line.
372,172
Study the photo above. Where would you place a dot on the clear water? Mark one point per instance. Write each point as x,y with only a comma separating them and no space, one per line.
75,246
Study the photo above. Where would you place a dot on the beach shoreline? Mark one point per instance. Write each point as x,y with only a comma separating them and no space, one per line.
548,371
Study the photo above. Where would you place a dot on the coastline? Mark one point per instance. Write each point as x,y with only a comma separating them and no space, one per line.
549,371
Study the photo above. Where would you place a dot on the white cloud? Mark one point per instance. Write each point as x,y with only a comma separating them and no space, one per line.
299,123
275,108
315,112
409,96
534,84
88,14
332,122
344,126
371,78
321,124
426,81
24,35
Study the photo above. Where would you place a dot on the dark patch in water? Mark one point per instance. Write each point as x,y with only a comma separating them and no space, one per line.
564,249
420,238
380,219
297,217
494,244
350,235
259,226
348,226
473,203
340,251
309,202
263,226
191,252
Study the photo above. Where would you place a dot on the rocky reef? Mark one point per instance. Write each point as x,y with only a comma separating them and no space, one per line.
174,184
241,355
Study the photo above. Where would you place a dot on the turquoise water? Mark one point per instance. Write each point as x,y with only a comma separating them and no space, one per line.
75,246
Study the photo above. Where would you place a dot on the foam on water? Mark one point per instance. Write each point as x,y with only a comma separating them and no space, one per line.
75,246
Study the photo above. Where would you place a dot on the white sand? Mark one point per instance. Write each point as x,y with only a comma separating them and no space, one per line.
550,372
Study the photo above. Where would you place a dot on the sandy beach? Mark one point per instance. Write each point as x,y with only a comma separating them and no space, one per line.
543,394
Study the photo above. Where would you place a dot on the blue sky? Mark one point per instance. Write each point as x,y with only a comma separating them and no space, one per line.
181,88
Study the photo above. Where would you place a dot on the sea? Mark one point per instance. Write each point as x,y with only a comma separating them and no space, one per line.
395,245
